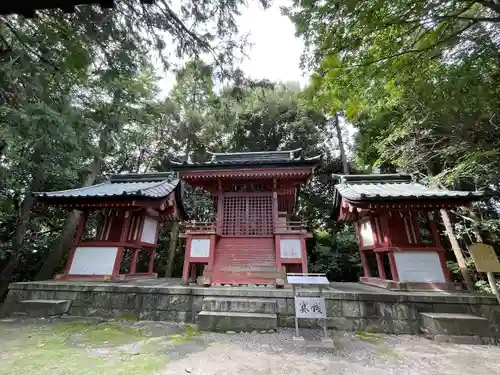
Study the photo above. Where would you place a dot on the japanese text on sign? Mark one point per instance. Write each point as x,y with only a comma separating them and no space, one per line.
310,307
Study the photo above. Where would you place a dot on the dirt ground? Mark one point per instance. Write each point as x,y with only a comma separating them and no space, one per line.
81,347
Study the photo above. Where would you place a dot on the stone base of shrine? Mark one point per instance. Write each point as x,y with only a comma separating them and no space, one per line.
119,277
407,286
350,306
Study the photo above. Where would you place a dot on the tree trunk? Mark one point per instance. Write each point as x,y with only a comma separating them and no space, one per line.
22,226
343,156
174,234
490,275
54,257
456,249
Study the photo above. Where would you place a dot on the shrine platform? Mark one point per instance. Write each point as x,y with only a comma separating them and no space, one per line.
350,306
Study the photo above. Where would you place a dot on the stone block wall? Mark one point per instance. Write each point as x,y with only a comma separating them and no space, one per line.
381,312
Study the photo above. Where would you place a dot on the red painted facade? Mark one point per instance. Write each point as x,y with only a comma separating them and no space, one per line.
117,234
387,229
246,243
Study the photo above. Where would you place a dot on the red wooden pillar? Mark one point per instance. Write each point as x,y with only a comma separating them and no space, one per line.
187,255
123,239
394,268
304,254
133,262
414,217
220,210
211,256
364,263
76,240
277,237
446,270
437,243
151,260
380,266
192,275
384,222
277,248
434,231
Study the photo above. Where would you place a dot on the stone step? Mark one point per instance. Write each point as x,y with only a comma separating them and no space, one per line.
457,328
240,304
245,274
45,307
246,268
236,321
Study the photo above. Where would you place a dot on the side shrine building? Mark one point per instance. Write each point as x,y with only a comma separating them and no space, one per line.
395,221
253,239
117,234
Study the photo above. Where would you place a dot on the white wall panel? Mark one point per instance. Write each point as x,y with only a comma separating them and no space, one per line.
419,266
149,230
200,248
93,261
366,233
290,248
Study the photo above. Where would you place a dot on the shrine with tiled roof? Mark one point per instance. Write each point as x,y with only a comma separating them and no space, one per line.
395,220
118,230
253,239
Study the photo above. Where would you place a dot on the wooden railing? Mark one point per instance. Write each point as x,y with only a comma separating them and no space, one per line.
211,227
199,227
291,227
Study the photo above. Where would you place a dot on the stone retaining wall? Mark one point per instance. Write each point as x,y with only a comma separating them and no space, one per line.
382,312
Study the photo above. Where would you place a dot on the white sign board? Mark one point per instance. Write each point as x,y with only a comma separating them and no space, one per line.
149,230
200,248
419,266
307,280
310,307
290,248
93,261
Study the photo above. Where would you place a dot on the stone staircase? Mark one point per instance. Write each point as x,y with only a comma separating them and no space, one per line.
457,328
245,261
225,314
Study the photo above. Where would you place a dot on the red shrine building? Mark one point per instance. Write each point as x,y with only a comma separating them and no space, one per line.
117,235
253,239
395,221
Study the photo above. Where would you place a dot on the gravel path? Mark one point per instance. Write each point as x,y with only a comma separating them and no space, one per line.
276,354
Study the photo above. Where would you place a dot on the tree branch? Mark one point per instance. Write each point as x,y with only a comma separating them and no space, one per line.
428,48
28,47
489,4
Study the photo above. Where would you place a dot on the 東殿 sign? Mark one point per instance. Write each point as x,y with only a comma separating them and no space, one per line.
310,307
484,258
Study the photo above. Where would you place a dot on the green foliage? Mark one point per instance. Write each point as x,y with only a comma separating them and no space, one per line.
336,254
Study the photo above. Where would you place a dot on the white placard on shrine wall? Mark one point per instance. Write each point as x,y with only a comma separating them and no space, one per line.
290,248
149,230
93,261
310,307
200,248
419,266
366,233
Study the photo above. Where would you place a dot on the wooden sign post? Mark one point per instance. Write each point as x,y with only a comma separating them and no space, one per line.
486,260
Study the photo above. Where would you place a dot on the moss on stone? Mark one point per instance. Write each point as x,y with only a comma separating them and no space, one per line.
368,336
81,348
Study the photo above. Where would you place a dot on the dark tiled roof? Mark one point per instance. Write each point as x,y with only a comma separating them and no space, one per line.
242,159
394,187
154,185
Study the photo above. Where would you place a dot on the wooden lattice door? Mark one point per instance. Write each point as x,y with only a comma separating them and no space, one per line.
248,214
